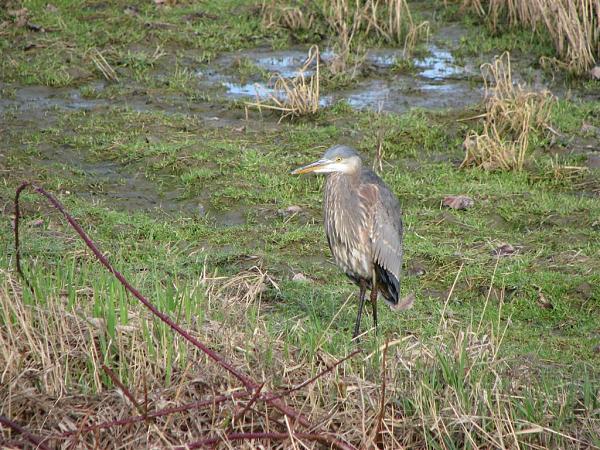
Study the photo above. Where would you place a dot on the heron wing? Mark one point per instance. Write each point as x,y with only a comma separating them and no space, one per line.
386,234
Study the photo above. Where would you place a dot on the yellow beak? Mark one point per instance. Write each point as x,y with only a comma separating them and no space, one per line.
311,167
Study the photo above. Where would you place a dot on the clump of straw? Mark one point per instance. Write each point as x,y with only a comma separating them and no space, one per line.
573,26
513,116
298,96
293,18
344,21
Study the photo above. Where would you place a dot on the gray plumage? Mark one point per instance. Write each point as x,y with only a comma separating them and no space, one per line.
363,224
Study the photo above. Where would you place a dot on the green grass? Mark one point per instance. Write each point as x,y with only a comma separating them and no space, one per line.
246,176
224,192
481,39
127,33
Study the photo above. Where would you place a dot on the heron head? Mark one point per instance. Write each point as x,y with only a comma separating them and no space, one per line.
339,158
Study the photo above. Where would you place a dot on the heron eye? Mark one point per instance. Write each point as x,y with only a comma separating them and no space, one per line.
338,159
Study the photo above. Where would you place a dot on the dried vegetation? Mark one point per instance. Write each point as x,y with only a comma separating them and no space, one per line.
298,96
514,120
389,20
291,17
454,389
103,65
71,381
346,24
573,26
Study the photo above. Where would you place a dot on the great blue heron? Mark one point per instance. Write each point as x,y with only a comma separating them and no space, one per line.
363,224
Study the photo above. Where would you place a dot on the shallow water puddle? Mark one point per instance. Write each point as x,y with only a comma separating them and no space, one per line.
439,65
399,95
43,98
437,82
285,63
249,90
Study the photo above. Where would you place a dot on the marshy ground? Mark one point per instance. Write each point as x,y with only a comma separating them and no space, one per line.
133,113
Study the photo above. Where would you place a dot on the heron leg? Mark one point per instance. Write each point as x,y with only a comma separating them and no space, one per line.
361,304
374,293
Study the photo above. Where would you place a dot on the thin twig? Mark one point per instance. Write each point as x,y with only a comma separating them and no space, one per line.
271,436
22,431
248,382
123,388
442,319
246,407
158,413
317,376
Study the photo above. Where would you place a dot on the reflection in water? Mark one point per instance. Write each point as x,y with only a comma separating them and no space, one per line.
285,63
438,65
436,84
248,90
397,95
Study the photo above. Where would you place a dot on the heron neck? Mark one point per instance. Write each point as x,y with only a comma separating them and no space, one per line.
351,178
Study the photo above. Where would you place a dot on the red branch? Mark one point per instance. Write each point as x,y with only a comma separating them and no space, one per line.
246,407
123,388
26,434
316,377
158,413
248,382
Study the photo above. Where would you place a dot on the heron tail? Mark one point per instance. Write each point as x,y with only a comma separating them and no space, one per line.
388,285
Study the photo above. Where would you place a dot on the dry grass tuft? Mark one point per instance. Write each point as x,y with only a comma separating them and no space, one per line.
298,96
344,21
293,18
513,117
561,172
555,172
102,65
573,26
390,20
408,393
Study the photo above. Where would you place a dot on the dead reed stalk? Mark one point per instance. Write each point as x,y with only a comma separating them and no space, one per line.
294,18
393,21
452,389
573,26
390,20
513,115
345,21
102,65
298,96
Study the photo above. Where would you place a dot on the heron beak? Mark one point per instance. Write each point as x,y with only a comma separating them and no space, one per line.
311,167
